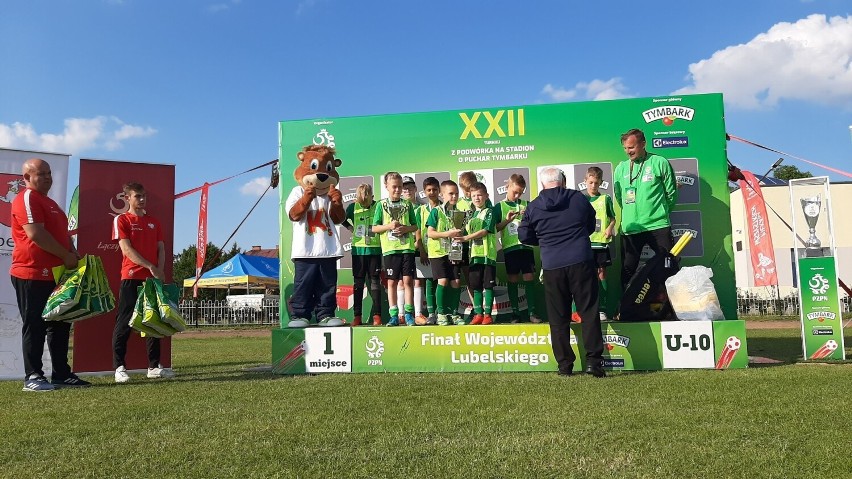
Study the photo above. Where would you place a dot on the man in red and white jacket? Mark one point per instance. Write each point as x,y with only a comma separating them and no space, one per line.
140,238
40,234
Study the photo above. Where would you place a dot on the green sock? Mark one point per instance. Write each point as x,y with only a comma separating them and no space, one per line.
455,298
602,295
394,312
489,300
513,297
430,295
529,289
477,302
408,308
440,298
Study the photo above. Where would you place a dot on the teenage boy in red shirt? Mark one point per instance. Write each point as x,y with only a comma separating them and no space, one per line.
144,256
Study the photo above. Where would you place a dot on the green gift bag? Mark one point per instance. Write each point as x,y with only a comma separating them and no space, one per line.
82,293
152,317
67,293
167,304
137,318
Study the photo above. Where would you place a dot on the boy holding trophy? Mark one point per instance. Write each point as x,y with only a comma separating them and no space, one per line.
482,275
394,221
444,224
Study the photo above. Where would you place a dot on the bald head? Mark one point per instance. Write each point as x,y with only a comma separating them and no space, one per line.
37,175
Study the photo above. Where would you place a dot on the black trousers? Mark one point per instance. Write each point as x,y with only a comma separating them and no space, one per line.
367,268
577,283
659,240
32,295
314,287
127,294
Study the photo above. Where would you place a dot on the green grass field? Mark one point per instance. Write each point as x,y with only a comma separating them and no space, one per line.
217,420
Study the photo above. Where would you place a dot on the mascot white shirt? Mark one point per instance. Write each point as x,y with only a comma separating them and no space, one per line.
315,235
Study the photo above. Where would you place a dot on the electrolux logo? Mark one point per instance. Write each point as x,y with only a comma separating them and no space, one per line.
671,142
613,363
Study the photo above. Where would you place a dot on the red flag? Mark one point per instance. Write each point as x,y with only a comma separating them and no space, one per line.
201,244
759,237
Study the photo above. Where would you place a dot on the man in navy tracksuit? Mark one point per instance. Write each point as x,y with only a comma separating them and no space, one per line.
560,221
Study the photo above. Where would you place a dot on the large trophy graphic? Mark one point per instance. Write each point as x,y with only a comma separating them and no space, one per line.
396,212
459,220
811,207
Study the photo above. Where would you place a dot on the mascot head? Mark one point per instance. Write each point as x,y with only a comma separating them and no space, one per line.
317,168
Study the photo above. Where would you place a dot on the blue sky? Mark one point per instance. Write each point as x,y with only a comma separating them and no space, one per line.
203,84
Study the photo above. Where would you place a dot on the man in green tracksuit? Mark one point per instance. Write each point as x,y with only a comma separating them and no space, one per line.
646,191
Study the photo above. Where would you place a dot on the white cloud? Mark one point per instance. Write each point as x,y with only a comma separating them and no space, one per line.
255,187
594,90
78,136
809,60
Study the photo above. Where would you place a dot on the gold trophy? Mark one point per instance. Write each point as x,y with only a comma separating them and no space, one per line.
459,220
396,212
811,207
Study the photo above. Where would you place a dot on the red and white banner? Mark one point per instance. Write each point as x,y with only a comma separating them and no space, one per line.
201,243
759,236
101,199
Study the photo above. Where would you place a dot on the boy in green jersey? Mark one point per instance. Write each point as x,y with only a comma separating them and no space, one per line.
394,221
519,258
431,188
366,253
482,274
604,231
441,233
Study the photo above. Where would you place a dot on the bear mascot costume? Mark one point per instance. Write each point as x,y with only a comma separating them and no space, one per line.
315,206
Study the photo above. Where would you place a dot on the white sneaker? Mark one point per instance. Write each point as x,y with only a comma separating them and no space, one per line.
604,317
121,375
160,372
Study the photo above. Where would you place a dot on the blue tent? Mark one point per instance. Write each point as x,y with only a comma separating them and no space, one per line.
251,272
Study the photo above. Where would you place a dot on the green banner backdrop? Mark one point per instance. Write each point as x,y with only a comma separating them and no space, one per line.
497,142
506,348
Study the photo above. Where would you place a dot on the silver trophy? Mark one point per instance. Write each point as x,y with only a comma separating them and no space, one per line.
396,212
459,220
811,207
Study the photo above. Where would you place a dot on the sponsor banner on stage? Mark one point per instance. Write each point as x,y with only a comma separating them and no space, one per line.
11,184
520,347
496,142
454,349
101,200
822,333
633,346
